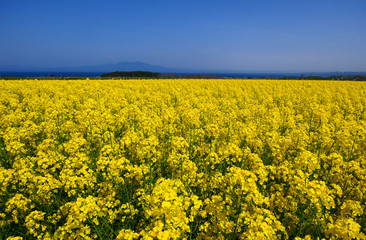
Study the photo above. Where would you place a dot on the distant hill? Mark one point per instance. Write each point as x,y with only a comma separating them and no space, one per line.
122,66
96,70
109,67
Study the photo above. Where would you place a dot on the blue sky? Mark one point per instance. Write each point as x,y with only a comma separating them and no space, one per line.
246,35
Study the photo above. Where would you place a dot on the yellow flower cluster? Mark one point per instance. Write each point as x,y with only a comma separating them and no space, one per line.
182,159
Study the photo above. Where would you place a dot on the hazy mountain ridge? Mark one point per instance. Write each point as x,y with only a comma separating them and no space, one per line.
108,67
95,70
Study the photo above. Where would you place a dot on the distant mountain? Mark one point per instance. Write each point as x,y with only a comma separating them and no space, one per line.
122,66
96,70
109,67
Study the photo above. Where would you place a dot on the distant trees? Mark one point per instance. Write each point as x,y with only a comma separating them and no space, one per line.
338,77
146,74
133,74
333,77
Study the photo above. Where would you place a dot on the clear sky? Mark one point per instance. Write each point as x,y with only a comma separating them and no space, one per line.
243,35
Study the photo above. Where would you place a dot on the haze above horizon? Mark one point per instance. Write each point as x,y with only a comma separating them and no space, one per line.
235,35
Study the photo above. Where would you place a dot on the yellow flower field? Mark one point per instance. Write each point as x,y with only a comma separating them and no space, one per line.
182,159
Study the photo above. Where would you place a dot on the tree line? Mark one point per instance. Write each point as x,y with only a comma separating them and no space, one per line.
332,77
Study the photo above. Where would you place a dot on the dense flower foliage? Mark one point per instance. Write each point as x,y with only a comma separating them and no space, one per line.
182,159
